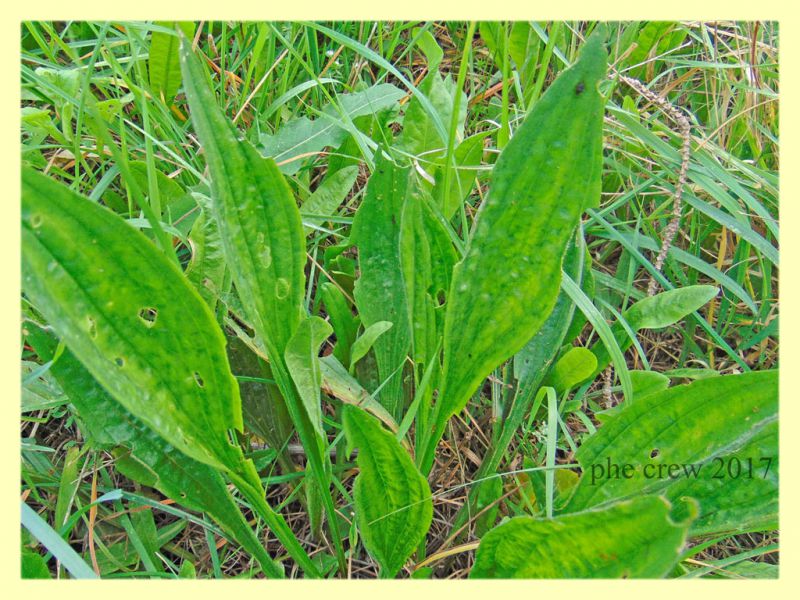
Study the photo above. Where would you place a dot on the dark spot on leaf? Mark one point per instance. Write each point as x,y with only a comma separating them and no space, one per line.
148,315
579,88
198,380
120,362
36,220
654,453
440,298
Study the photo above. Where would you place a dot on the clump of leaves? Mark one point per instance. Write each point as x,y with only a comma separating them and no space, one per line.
421,320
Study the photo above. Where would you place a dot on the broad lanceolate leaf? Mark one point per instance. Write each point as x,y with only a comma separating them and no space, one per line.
629,539
380,292
264,245
393,502
531,365
302,362
542,182
683,437
132,318
259,222
163,63
144,456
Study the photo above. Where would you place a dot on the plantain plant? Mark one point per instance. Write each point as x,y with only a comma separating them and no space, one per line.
421,319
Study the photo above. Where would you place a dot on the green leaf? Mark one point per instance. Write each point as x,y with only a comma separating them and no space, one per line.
421,136
39,390
428,257
187,570
393,502
380,292
738,492
695,427
264,245
492,34
648,382
301,136
542,182
117,302
328,197
667,308
337,382
144,456
429,46
519,44
263,408
68,486
169,190
468,156
488,494
633,539
258,219
643,383
163,63
345,324
572,368
206,269
302,360
367,339
34,566
654,312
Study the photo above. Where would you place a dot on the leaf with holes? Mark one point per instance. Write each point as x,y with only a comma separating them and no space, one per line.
144,456
683,437
392,499
78,264
633,539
